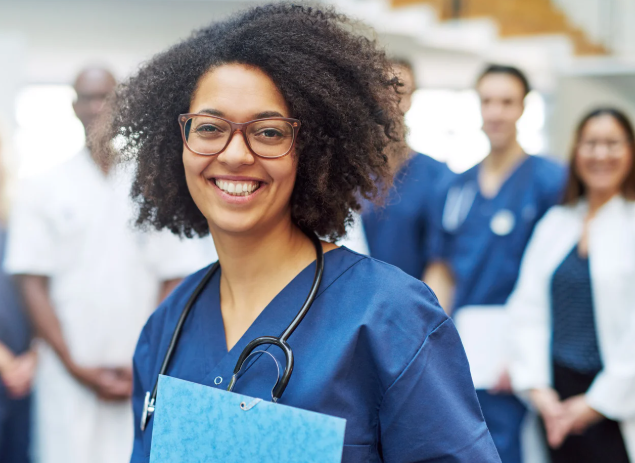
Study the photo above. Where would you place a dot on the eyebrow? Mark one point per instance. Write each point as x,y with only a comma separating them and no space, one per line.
212,112
265,114
261,115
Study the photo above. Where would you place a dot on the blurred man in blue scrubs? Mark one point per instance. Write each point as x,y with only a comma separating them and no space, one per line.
17,367
398,233
485,218
17,361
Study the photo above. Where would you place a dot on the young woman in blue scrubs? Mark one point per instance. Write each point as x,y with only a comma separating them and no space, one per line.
399,232
486,217
375,348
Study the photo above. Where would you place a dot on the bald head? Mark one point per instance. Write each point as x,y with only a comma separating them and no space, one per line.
92,85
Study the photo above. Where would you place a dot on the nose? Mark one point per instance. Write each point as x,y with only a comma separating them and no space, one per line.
237,152
601,151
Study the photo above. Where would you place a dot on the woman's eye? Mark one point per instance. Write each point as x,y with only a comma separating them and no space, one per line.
269,133
207,128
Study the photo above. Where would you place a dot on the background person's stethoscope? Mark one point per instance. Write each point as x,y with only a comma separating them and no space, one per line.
281,342
458,204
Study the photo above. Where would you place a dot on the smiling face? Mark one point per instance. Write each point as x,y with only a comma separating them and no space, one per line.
237,191
502,104
604,155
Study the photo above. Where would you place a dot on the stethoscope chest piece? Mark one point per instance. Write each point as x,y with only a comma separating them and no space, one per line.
148,410
503,222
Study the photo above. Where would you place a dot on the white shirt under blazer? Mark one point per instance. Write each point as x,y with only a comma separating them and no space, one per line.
611,244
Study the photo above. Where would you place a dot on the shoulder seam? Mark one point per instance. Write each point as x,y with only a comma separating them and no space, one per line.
342,273
403,371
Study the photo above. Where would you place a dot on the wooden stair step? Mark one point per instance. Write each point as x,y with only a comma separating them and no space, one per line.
516,18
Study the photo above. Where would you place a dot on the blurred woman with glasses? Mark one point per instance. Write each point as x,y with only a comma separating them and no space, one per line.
573,309
17,361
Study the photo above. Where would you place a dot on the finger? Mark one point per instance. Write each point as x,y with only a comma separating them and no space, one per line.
562,429
556,438
119,388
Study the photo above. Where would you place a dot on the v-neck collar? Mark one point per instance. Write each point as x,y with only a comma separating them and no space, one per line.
272,321
519,167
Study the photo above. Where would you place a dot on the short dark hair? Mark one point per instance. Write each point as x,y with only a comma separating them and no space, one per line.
575,188
508,70
337,82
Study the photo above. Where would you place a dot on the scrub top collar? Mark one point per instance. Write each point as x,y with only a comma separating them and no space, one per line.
273,320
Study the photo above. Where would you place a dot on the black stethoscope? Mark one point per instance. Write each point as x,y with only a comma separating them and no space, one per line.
281,342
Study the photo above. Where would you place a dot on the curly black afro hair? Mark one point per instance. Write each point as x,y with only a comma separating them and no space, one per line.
337,82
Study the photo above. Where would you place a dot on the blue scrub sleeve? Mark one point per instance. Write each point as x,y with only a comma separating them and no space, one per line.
431,413
437,244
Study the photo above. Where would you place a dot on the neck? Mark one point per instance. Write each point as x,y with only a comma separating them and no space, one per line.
256,267
103,166
502,159
597,199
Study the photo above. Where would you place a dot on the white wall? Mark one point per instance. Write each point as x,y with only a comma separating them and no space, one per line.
609,22
64,35
578,94
12,53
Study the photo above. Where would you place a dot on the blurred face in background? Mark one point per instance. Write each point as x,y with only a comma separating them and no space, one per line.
502,104
604,155
407,78
92,87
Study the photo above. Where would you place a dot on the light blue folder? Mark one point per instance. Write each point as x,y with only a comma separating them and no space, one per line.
196,423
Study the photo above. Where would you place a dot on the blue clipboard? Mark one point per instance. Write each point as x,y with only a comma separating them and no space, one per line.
196,423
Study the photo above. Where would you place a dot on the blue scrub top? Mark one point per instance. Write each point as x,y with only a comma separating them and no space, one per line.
375,349
398,233
14,326
485,264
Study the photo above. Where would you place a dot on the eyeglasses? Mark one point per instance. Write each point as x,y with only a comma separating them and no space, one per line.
207,135
588,147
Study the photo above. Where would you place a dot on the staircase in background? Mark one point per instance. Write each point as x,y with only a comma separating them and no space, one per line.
517,18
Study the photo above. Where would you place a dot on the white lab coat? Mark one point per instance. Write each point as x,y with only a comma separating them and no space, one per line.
611,243
75,225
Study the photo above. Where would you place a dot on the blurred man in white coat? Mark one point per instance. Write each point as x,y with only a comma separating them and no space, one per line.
89,282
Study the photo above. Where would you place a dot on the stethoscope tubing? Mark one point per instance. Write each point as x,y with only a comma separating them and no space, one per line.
179,326
281,342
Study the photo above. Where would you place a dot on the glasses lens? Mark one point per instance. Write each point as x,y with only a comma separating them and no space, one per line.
206,134
270,138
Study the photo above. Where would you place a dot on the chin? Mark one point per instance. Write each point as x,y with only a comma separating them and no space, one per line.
232,225
603,187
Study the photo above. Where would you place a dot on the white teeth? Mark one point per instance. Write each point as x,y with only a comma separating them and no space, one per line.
237,189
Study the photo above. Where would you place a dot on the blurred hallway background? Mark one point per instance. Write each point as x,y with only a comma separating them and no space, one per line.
577,53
